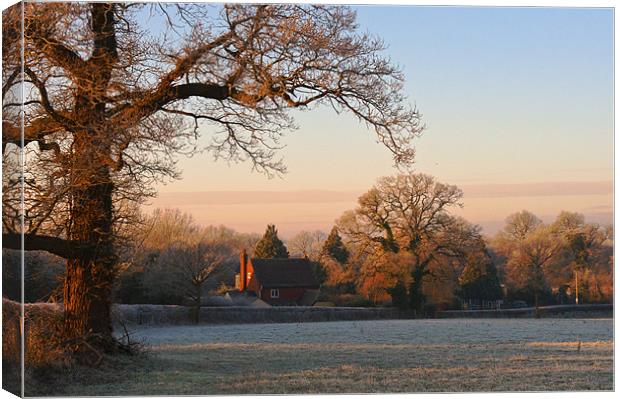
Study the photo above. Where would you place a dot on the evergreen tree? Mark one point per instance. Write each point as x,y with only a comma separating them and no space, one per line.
270,246
479,279
320,272
334,247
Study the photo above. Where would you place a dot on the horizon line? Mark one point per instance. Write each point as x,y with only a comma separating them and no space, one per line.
317,195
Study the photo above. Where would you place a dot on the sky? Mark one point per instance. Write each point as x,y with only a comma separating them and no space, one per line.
518,104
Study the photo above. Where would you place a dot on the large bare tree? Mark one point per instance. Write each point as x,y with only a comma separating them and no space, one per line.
112,91
411,213
529,256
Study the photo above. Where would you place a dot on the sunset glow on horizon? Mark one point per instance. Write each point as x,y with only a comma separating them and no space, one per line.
294,211
518,104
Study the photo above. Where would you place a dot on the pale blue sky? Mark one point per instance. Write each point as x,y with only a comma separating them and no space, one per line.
507,88
509,95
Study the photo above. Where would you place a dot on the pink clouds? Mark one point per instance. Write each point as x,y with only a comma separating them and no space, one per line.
295,210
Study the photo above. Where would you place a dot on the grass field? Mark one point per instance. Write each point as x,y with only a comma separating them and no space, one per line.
367,356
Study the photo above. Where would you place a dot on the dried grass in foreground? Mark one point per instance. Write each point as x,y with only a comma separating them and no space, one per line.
190,360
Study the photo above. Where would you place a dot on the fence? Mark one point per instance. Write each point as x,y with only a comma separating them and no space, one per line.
585,311
170,314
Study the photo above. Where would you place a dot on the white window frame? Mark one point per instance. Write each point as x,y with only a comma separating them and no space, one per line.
275,293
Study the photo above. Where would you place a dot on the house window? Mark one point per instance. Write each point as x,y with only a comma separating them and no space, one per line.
275,293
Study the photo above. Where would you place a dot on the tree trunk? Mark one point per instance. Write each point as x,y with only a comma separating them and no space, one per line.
89,278
87,300
416,297
198,303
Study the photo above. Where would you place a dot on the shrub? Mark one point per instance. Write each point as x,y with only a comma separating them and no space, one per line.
353,300
43,349
42,332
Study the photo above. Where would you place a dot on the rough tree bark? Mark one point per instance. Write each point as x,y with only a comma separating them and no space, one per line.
89,278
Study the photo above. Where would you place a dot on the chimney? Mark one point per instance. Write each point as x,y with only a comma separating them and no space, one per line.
243,270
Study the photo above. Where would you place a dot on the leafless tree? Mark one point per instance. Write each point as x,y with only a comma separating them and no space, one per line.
583,246
185,268
520,224
161,233
306,243
109,101
410,213
528,258
541,257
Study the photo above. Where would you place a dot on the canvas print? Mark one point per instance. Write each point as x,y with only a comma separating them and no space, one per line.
227,198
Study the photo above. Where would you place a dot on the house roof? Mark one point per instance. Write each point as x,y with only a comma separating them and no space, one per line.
290,272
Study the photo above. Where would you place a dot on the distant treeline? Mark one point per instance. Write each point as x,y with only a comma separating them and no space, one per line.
401,246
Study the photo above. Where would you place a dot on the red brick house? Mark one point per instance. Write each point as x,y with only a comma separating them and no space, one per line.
287,281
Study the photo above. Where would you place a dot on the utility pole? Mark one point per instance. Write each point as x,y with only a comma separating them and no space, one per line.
577,287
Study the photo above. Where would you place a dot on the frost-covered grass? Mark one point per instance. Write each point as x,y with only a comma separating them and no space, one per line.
446,355
388,332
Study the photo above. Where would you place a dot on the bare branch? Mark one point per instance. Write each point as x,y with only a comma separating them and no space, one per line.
67,249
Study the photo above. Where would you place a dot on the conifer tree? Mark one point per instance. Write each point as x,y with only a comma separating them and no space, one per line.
270,246
335,248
